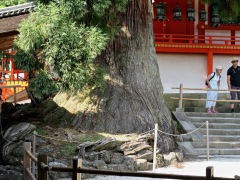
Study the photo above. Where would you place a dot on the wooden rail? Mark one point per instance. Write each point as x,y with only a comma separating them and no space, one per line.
181,98
8,91
77,169
14,90
43,168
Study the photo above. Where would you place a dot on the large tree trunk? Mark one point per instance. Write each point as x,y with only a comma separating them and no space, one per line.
133,100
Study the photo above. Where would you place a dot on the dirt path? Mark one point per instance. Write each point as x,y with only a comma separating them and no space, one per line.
223,167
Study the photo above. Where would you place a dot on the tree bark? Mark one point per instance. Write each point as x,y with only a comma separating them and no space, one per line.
133,100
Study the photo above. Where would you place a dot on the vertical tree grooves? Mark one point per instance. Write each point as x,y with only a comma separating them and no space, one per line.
133,100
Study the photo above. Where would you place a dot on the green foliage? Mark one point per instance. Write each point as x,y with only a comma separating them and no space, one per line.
72,54
26,61
91,137
225,8
40,131
70,149
68,36
7,3
68,48
42,86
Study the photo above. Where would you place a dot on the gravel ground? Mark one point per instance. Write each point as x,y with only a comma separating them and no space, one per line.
223,167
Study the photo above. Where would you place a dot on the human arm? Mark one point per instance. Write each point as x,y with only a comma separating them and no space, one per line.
228,81
207,80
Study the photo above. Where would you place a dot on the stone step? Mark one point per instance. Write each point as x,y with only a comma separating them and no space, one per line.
221,132
223,138
199,114
224,134
213,151
216,156
214,120
218,125
217,145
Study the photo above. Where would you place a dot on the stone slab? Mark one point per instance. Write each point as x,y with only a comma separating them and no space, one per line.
188,149
186,123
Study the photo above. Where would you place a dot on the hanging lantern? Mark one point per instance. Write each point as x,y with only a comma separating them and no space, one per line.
177,13
203,15
230,20
161,12
215,20
190,13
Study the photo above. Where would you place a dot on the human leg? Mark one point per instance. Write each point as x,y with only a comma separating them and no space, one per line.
238,95
214,97
233,95
209,103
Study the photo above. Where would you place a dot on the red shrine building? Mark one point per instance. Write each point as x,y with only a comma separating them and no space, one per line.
191,40
10,75
190,37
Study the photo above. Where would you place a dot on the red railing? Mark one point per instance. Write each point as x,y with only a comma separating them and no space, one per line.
9,92
197,39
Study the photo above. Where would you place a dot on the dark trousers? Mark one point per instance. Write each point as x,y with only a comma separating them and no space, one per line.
234,94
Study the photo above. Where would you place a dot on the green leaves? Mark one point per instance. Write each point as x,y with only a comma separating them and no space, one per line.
67,36
49,37
7,3
226,9
42,86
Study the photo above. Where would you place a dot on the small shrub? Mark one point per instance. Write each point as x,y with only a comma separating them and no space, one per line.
70,149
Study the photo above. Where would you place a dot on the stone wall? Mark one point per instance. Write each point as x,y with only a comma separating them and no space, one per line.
199,106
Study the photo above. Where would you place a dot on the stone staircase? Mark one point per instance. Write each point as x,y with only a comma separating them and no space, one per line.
224,134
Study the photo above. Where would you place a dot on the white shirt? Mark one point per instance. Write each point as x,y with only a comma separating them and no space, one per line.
214,81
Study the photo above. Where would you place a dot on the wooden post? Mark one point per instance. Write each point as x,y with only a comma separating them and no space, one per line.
34,153
77,163
210,62
42,174
170,38
210,40
26,160
207,136
155,147
15,96
180,95
209,173
1,102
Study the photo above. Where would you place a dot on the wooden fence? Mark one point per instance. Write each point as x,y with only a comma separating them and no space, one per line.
14,90
43,168
181,98
11,88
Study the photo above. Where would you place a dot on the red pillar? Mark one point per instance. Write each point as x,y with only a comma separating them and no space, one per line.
210,62
201,24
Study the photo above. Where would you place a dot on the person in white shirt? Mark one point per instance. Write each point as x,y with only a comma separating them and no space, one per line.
213,81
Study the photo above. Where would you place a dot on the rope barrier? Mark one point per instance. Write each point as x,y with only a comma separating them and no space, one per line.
47,137
139,134
182,134
146,132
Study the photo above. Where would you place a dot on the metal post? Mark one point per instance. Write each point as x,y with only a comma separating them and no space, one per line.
207,136
155,147
180,96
